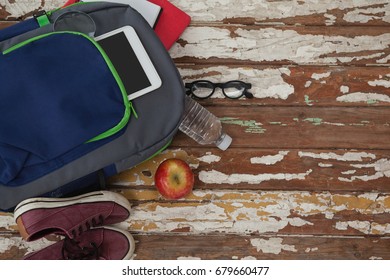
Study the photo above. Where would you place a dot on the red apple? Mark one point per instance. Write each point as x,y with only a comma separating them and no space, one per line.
174,178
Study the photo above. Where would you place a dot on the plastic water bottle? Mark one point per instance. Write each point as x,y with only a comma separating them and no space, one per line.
202,126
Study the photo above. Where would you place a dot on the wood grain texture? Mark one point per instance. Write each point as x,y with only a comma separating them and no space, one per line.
289,12
253,212
261,247
308,173
258,212
152,247
270,169
232,247
297,85
294,127
308,45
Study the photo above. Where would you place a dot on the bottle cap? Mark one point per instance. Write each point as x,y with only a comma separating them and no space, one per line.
225,143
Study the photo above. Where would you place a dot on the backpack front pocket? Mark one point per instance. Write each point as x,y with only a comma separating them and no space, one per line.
59,90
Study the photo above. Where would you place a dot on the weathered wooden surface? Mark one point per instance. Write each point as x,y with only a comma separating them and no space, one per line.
309,45
298,85
292,127
233,247
267,169
308,173
290,12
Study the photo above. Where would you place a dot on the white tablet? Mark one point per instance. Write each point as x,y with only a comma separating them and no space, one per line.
130,60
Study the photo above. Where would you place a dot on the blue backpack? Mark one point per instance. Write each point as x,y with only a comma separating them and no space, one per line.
66,120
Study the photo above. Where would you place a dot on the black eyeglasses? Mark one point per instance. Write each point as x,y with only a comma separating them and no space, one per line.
203,89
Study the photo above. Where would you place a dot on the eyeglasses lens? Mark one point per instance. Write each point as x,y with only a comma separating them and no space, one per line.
234,90
202,89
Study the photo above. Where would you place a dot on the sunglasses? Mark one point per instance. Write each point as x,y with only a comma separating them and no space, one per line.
203,89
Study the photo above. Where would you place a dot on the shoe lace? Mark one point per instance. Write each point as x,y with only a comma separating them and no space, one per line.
93,222
71,250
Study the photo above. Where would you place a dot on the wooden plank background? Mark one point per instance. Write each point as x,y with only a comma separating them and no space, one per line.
308,172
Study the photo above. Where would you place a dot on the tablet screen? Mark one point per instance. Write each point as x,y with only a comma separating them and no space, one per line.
125,61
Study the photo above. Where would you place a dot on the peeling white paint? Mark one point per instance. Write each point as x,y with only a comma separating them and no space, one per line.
305,208
367,14
335,124
211,218
138,181
237,204
380,227
381,83
7,221
325,164
348,172
188,258
363,97
384,59
33,246
329,215
271,246
341,225
365,165
308,84
319,76
217,10
255,212
344,89
308,250
248,258
349,156
270,159
381,168
298,222
266,83
365,178
209,158
270,44
216,177
347,59
375,258
362,226
370,196
281,91
330,19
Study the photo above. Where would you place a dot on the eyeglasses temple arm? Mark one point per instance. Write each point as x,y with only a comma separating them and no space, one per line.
248,94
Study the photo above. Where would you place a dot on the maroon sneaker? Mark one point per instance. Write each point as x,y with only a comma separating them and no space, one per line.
37,217
105,243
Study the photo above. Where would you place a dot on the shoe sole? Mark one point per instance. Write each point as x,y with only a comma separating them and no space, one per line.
43,202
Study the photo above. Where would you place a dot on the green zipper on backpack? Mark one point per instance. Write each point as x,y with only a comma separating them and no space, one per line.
128,106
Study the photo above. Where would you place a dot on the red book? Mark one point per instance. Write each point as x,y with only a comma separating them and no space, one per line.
70,2
171,23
